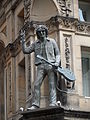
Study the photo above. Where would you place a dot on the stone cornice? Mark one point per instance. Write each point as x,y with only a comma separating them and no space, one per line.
71,24
54,113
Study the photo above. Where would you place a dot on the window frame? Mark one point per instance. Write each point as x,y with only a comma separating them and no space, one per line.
85,54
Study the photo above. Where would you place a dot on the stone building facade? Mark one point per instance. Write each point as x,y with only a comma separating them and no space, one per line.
68,22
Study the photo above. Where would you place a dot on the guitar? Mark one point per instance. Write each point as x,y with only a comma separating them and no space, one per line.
68,74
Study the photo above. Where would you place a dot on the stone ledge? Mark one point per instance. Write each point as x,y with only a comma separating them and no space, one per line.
54,113
77,114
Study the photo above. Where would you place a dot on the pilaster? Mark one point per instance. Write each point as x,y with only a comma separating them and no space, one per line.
29,69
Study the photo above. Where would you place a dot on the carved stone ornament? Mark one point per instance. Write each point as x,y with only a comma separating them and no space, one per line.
65,7
67,52
70,24
27,9
29,75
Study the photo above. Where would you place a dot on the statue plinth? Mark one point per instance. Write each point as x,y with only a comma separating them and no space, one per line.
50,113
55,113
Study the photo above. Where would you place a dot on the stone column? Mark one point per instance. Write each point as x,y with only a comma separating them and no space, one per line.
1,90
5,93
76,8
30,71
13,76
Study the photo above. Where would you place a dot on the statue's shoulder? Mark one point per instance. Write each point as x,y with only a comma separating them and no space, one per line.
36,41
50,39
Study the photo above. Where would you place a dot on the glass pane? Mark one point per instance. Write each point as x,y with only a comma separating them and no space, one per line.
86,76
84,10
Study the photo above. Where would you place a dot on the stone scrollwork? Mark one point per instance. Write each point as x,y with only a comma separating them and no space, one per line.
65,7
67,52
73,24
67,23
51,24
81,27
88,29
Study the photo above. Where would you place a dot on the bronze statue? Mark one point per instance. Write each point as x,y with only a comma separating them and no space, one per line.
48,49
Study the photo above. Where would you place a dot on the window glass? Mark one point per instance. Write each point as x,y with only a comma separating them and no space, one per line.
86,73
84,10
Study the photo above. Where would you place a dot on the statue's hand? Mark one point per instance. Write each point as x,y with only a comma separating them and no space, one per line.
56,65
22,36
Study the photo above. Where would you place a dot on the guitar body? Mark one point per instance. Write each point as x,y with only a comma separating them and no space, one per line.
66,73
69,75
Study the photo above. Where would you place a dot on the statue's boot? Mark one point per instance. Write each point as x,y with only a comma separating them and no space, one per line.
33,107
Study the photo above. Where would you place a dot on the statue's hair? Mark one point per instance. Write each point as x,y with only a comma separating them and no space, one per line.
41,27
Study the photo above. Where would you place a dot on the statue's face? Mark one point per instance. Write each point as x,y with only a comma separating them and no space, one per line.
42,34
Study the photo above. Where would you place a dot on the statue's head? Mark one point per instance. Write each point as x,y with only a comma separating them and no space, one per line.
41,31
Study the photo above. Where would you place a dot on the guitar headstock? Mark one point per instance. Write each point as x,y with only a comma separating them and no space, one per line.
40,57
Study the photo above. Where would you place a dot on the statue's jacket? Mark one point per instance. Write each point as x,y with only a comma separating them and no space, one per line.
52,50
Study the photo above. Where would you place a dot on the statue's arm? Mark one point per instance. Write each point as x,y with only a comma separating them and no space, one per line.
57,53
25,49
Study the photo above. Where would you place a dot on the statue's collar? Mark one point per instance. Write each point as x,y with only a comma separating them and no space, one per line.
40,41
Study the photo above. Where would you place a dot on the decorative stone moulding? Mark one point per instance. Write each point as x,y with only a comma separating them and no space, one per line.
70,24
65,7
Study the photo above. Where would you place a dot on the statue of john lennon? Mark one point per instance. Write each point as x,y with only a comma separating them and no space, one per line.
47,48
